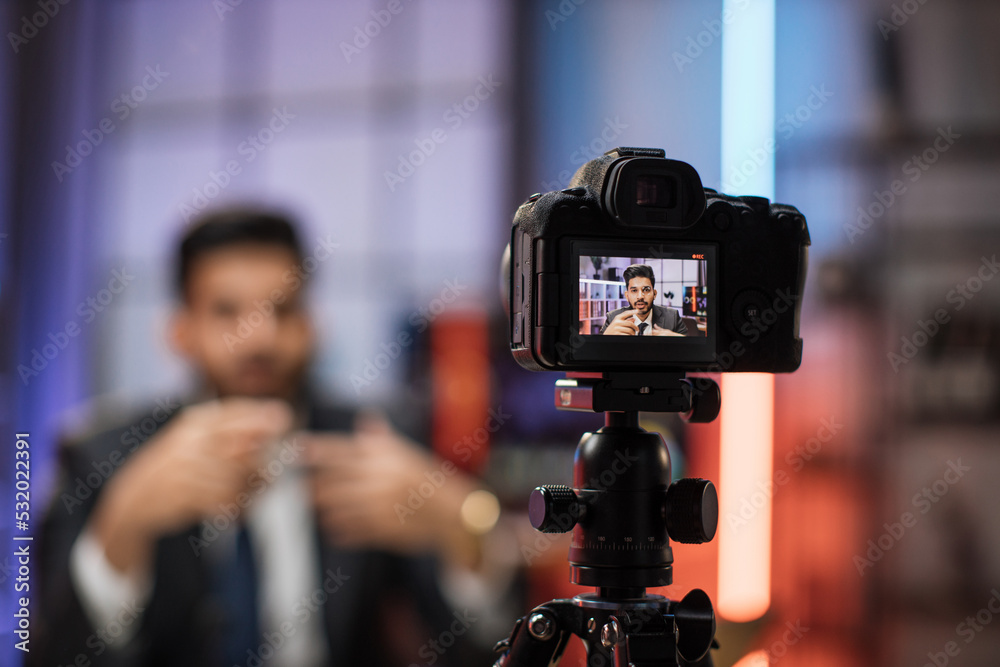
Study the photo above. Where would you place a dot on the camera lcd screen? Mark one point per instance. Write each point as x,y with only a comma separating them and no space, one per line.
666,296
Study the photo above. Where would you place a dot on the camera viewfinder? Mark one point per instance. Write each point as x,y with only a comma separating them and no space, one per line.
655,190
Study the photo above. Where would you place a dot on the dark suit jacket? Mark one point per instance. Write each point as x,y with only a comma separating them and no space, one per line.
665,318
179,626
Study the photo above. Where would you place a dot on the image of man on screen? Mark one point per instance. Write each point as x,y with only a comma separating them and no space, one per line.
641,317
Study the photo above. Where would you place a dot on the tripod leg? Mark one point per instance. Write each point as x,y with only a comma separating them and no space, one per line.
597,656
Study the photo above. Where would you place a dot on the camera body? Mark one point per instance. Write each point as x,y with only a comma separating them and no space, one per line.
728,273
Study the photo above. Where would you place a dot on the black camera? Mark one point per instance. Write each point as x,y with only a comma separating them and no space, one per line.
637,267
627,280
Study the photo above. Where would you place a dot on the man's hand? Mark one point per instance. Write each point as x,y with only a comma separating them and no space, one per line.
660,331
202,459
622,325
363,485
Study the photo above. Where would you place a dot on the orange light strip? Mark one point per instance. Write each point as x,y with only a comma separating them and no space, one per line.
745,491
755,659
460,370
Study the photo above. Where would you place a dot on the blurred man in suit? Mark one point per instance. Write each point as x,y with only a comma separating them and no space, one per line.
642,317
254,524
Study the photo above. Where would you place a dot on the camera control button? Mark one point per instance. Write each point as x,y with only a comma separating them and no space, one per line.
722,220
758,204
692,511
554,508
587,214
563,214
750,307
576,192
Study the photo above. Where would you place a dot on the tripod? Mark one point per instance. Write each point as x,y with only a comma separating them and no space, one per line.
623,511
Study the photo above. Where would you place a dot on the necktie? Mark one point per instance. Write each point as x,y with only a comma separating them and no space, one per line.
642,328
236,587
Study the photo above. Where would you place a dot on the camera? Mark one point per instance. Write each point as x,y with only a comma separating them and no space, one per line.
628,279
636,240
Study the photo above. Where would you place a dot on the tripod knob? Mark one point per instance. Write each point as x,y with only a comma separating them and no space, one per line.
554,508
692,511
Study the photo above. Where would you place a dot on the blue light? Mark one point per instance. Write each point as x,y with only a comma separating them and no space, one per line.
748,144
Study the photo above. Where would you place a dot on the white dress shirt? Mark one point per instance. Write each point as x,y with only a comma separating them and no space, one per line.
280,523
649,329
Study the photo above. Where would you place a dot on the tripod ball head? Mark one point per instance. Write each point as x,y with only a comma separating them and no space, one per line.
623,509
691,510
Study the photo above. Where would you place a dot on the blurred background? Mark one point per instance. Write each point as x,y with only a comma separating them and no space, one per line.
408,138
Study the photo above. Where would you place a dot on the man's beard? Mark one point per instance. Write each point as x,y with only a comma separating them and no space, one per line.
261,376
